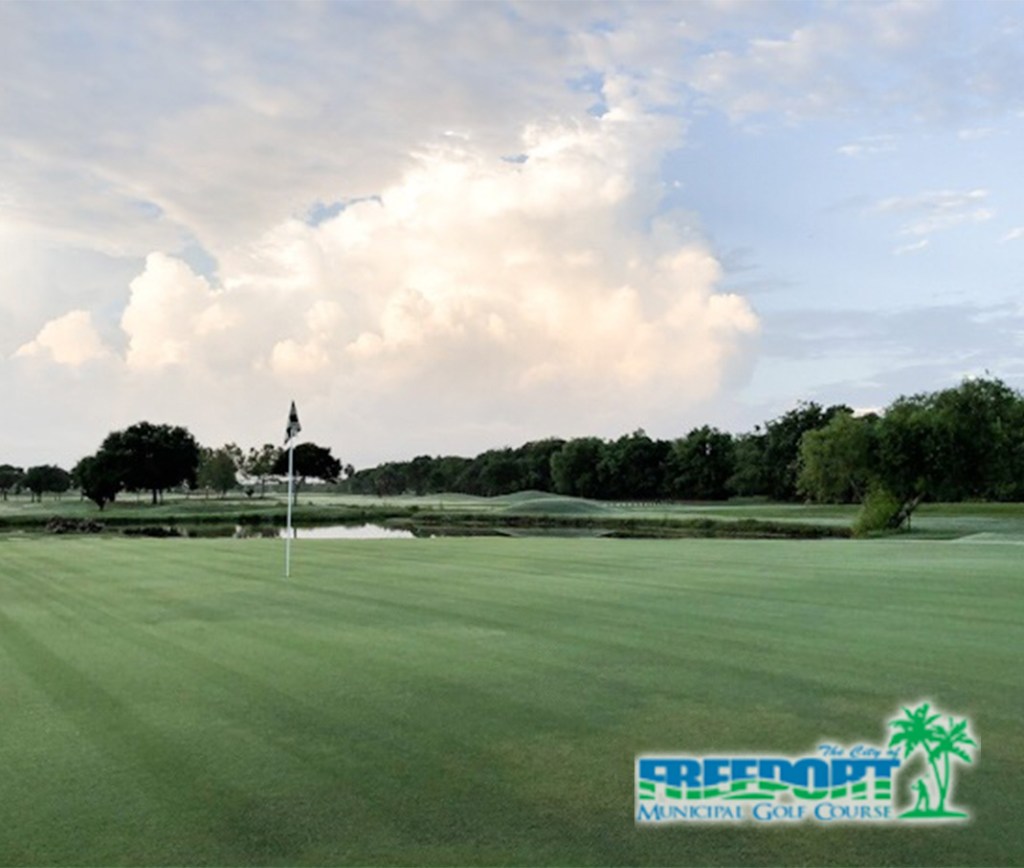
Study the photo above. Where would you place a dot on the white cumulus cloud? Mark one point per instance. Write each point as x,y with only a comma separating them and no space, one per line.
529,269
550,283
169,308
70,339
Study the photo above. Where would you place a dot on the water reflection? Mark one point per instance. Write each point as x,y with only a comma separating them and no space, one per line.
272,531
379,531
345,531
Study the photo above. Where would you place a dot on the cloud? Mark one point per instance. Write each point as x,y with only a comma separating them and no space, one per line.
1014,234
869,146
867,358
70,340
268,117
169,309
528,268
913,247
776,74
292,358
943,62
937,210
972,134
932,335
844,59
458,231
550,288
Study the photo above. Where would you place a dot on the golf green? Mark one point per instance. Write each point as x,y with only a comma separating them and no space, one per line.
481,701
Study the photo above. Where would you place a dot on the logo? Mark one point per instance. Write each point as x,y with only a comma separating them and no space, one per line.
907,779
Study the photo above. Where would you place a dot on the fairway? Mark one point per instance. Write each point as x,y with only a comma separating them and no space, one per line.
481,701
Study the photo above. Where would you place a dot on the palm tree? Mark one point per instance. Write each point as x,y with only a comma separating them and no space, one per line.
949,742
917,730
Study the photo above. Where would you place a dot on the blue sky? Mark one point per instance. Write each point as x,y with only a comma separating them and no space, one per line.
715,210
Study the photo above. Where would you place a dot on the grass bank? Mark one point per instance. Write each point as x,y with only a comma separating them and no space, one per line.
198,511
527,510
737,519
676,527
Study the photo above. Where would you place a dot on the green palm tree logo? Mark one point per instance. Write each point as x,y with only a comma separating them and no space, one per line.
918,730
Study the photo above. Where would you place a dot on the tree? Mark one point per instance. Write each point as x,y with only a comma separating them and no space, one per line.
748,479
700,465
781,454
909,459
633,467
838,462
259,464
310,460
217,470
574,468
10,478
918,730
951,742
390,480
46,477
497,473
419,474
977,439
154,457
100,477
535,463
964,442
448,469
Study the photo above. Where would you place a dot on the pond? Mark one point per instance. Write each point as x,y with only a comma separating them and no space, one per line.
269,531
352,531
378,531
345,531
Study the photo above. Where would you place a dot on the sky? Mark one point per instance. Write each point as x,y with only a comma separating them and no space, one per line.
447,227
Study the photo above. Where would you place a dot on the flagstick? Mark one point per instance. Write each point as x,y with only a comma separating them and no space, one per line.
288,534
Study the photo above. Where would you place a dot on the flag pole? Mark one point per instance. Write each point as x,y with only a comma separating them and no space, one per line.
291,432
288,532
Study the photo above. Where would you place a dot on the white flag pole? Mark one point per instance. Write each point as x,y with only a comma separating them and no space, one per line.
288,532
291,432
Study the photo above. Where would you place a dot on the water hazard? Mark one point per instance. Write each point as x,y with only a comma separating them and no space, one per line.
346,531
350,531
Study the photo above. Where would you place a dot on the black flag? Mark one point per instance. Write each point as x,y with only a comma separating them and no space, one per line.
293,425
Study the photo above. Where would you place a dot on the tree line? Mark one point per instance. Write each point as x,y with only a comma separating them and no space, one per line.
706,464
956,444
158,458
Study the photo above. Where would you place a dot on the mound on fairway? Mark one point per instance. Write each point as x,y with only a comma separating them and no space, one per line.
555,505
523,496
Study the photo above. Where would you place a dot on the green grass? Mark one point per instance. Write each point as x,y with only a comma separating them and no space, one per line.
480,701
520,510
315,506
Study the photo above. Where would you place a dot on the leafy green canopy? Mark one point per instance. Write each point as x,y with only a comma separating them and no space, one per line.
143,457
963,443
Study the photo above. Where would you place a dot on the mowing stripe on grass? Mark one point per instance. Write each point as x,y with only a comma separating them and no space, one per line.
478,700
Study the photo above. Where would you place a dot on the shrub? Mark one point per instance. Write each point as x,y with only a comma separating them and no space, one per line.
881,511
